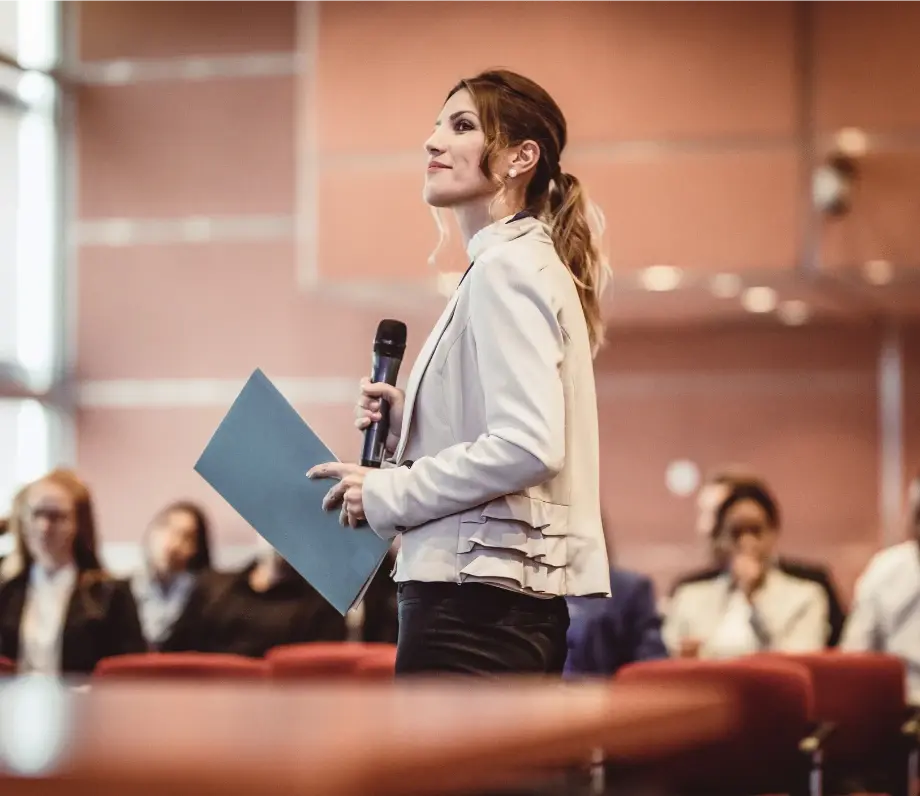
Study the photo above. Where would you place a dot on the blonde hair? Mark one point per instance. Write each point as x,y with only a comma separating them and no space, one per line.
514,109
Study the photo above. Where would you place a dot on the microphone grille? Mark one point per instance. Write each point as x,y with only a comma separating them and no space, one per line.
391,332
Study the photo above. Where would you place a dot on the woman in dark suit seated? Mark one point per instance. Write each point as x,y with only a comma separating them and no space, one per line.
177,554
266,604
60,613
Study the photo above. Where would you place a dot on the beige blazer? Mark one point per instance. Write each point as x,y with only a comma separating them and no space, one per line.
500,428
788,615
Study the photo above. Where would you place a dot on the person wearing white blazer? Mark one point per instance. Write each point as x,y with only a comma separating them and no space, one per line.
492,484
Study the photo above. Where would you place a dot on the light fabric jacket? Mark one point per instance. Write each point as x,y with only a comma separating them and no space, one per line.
787,615
500,428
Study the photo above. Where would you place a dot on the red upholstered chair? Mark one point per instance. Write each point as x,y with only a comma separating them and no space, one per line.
180,666
319,660
7,666
863,696
763,753
378,664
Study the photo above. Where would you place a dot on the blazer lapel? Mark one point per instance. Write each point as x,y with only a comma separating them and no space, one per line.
419,368
12,605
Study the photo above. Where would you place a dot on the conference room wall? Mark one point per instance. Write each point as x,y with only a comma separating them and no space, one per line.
212,140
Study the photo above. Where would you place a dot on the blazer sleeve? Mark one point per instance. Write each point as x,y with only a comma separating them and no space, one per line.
125,634
519,348
674,627
807,632
862,632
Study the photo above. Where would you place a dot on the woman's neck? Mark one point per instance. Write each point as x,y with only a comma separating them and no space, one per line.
51,568
477,215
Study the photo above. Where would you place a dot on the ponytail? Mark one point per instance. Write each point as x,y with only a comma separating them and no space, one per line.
577,226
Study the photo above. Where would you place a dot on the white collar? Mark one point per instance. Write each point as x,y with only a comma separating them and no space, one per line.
145,581
502,231
62,578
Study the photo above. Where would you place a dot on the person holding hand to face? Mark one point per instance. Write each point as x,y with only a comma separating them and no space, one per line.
753,606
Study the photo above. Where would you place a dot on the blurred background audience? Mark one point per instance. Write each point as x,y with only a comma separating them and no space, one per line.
180,195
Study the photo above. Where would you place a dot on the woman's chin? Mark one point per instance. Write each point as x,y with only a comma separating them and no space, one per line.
436,198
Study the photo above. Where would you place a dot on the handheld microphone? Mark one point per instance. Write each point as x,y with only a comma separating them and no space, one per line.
389,347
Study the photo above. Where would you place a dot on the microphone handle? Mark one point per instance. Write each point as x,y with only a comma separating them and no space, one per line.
384,369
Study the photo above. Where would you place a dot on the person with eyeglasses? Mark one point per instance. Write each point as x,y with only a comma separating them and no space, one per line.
60,612
752,606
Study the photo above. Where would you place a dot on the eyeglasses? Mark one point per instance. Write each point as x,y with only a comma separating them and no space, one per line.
53,516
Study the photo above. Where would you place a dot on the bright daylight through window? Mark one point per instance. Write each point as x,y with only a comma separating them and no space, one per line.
30,256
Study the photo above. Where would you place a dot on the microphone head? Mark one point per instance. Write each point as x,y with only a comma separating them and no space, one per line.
391,338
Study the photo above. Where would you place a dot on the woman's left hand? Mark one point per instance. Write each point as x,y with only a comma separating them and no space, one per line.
347,494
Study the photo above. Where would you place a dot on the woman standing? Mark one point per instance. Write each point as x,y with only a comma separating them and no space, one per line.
496,493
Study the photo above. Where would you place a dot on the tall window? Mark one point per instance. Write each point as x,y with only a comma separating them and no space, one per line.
30,252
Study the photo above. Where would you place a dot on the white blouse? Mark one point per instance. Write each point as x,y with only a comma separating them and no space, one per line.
47,600
159,606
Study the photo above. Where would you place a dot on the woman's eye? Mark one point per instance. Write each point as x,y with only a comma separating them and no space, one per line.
463,126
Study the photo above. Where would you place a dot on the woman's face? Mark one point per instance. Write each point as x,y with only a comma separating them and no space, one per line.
173,541
454,154
49,524
747,531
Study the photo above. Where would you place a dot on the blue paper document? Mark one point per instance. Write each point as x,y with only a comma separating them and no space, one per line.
257,461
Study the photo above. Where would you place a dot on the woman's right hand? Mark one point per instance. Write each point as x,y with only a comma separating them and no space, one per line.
367,410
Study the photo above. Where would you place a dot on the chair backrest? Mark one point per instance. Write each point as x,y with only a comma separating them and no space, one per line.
7,666
317,660
773,704
378,664
179,666
864,695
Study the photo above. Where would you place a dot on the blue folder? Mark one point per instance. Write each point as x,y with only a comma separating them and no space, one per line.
257,461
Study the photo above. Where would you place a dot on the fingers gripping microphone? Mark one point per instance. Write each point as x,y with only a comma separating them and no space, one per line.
389,347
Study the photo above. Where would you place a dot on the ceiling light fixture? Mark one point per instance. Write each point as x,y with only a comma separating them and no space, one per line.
725,286
878,272
759,299
794,312
661,278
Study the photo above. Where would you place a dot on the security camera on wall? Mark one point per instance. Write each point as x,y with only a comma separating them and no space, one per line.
833,181
832,185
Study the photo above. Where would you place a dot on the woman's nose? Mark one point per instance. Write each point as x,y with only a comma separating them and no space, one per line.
431,145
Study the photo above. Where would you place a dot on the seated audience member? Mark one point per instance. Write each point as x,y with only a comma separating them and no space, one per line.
380,619
176,552
607,633
711,495
59,612
886,606
752,605
265,605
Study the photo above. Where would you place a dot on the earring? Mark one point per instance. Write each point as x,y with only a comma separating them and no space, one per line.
512,173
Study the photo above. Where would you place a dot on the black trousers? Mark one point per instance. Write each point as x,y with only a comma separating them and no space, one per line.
477,629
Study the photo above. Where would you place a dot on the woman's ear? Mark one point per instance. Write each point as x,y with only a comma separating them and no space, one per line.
525,158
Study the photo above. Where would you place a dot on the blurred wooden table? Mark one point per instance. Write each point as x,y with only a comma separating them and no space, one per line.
334,740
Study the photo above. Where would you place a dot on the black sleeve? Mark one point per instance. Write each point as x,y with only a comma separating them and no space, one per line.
381,612
192,631
836,616
124,632
322,623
